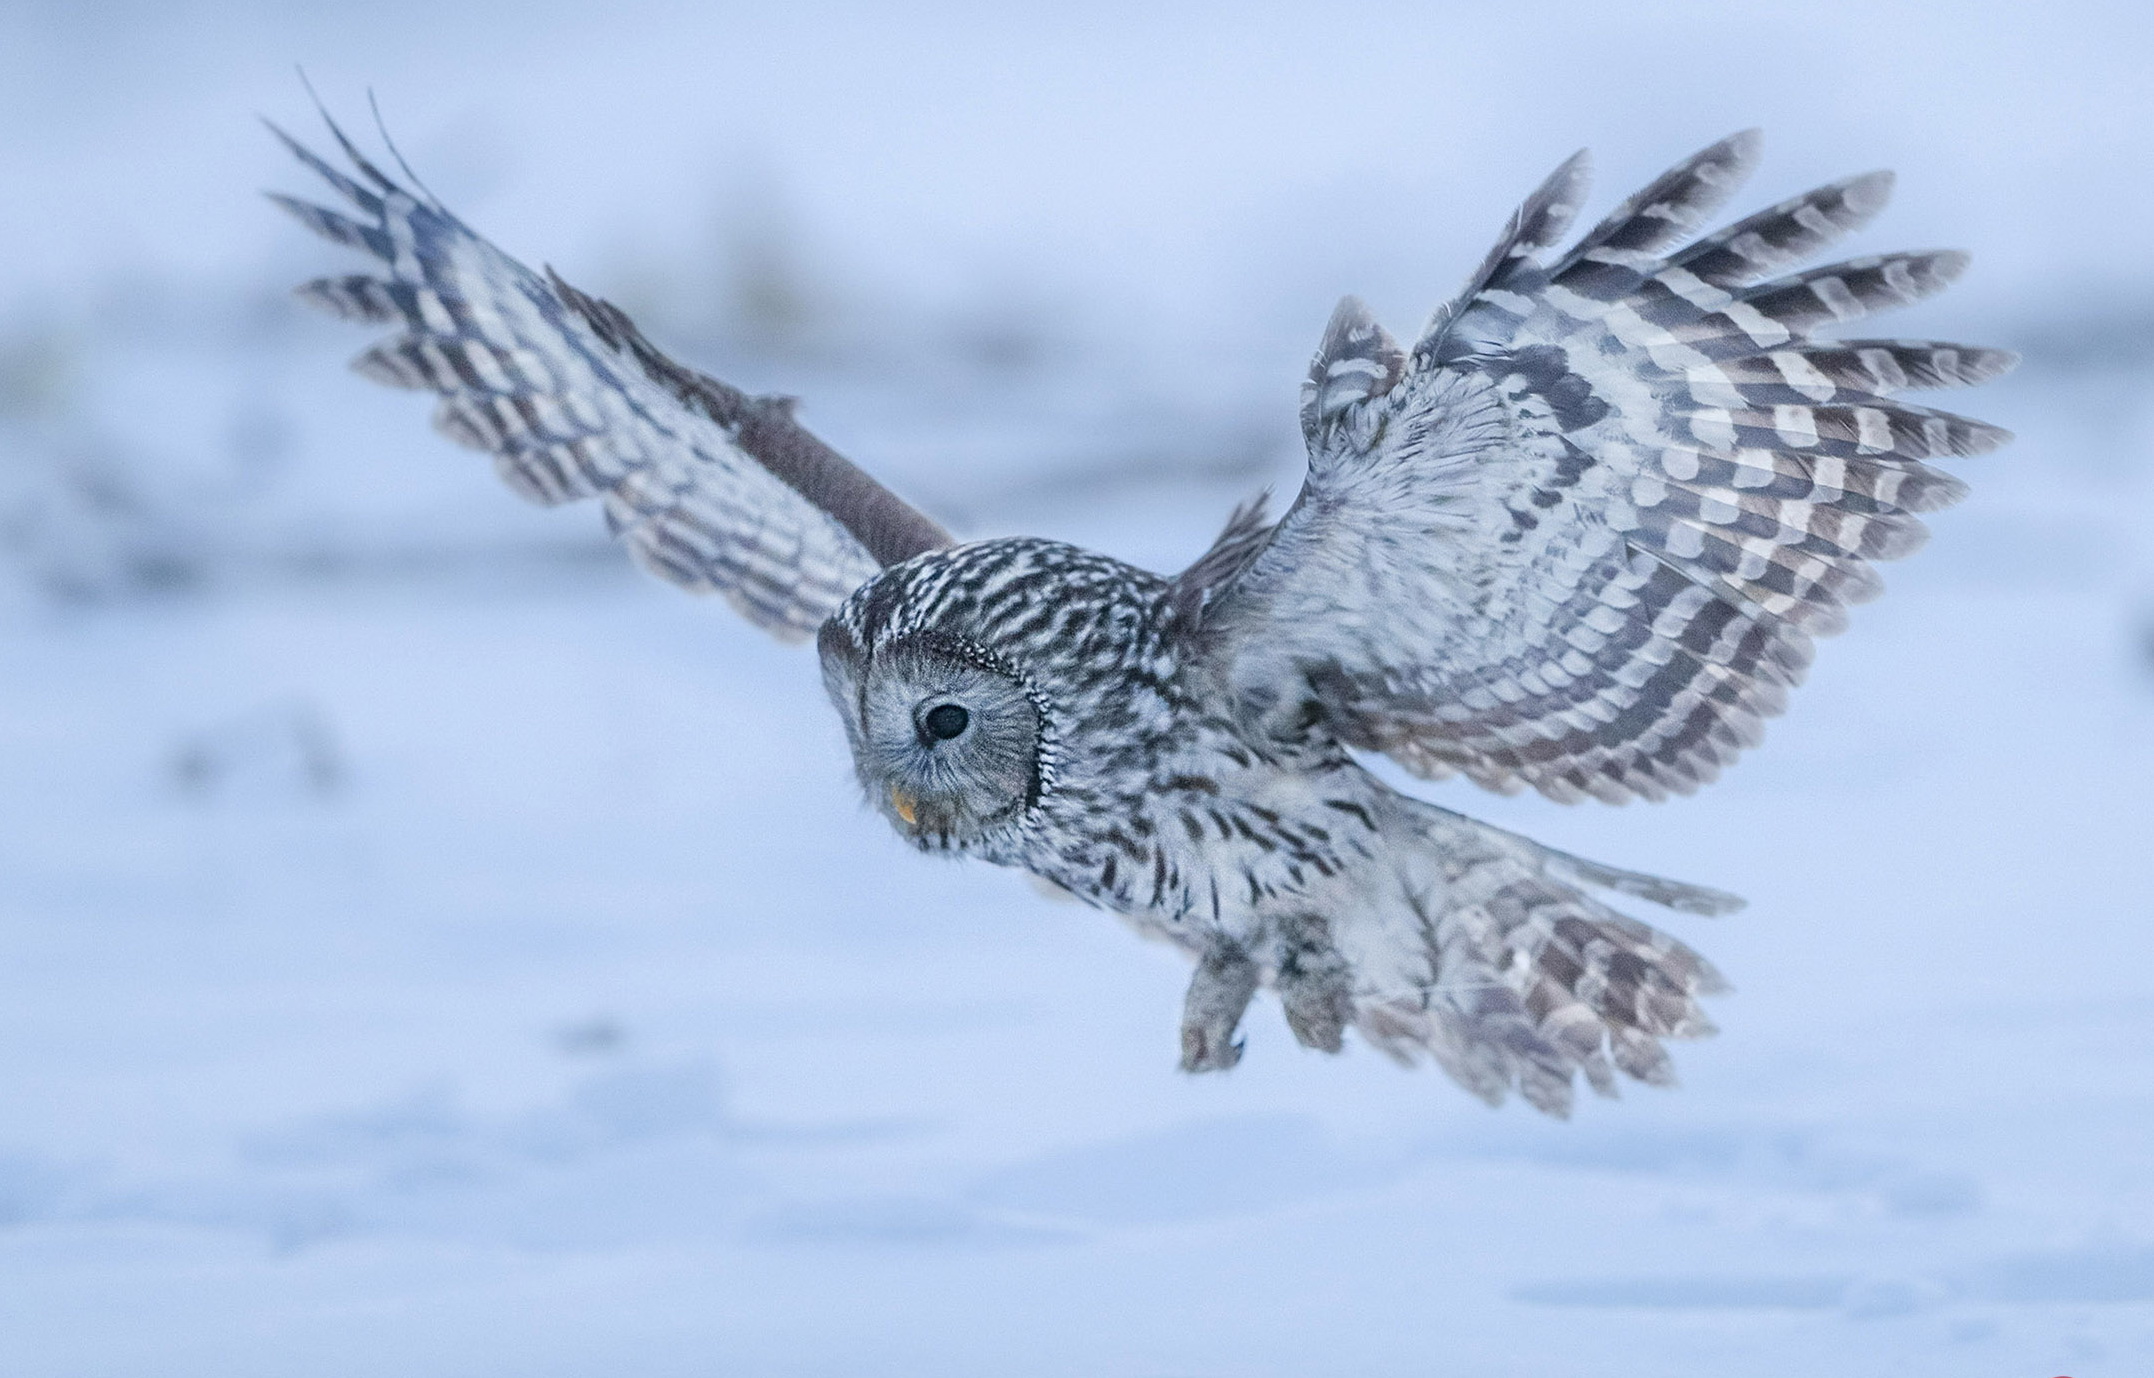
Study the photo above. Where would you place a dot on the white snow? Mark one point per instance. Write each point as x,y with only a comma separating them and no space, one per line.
429,948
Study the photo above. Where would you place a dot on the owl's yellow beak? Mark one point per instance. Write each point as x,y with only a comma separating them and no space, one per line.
907,807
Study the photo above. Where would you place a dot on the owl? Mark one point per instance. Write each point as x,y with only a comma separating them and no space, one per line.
1578,536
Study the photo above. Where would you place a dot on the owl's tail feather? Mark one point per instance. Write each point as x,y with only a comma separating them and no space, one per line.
1526,981
1672,894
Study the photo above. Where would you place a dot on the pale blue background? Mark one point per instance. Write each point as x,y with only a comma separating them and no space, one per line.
428,948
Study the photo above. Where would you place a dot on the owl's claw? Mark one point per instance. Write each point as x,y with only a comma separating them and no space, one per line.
1224,982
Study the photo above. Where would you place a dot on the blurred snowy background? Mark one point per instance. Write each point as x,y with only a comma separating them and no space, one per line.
429,948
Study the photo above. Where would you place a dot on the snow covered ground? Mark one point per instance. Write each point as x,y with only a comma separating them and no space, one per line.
429,948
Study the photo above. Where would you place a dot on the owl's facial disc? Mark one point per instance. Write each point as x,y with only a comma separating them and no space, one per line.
946,748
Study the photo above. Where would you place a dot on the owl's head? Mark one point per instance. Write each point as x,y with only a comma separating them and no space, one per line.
945,740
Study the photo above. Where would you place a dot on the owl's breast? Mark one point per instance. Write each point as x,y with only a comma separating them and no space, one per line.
1192,830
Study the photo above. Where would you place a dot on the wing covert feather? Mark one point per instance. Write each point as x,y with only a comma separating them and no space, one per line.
1582,535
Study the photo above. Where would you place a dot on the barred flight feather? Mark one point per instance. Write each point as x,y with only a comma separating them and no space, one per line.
1608,503
1668,208
709,488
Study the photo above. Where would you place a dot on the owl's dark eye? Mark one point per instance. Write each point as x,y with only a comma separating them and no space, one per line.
945,721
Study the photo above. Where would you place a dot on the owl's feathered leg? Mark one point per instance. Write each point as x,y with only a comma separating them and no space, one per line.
1219,992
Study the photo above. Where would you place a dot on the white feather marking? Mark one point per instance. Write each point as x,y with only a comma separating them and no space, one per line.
440,373
1884,370
1717,510
1838,298
1710,386
590,416
1873,430
1692,288
1755,469
551,417
489,369
1762,329
1811,216
1796,426
435,316
1803,376
404,261
1714,428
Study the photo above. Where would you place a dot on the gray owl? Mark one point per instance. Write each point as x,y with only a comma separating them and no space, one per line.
1577,536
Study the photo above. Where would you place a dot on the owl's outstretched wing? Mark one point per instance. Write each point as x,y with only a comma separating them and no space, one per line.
1581,536
708,487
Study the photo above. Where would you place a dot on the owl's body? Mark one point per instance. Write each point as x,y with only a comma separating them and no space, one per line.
1272,857
1579,537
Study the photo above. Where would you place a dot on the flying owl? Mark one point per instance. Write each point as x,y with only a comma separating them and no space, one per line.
1578,536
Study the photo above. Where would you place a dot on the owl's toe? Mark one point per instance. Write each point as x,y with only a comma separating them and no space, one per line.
1319,1023
1209,1048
